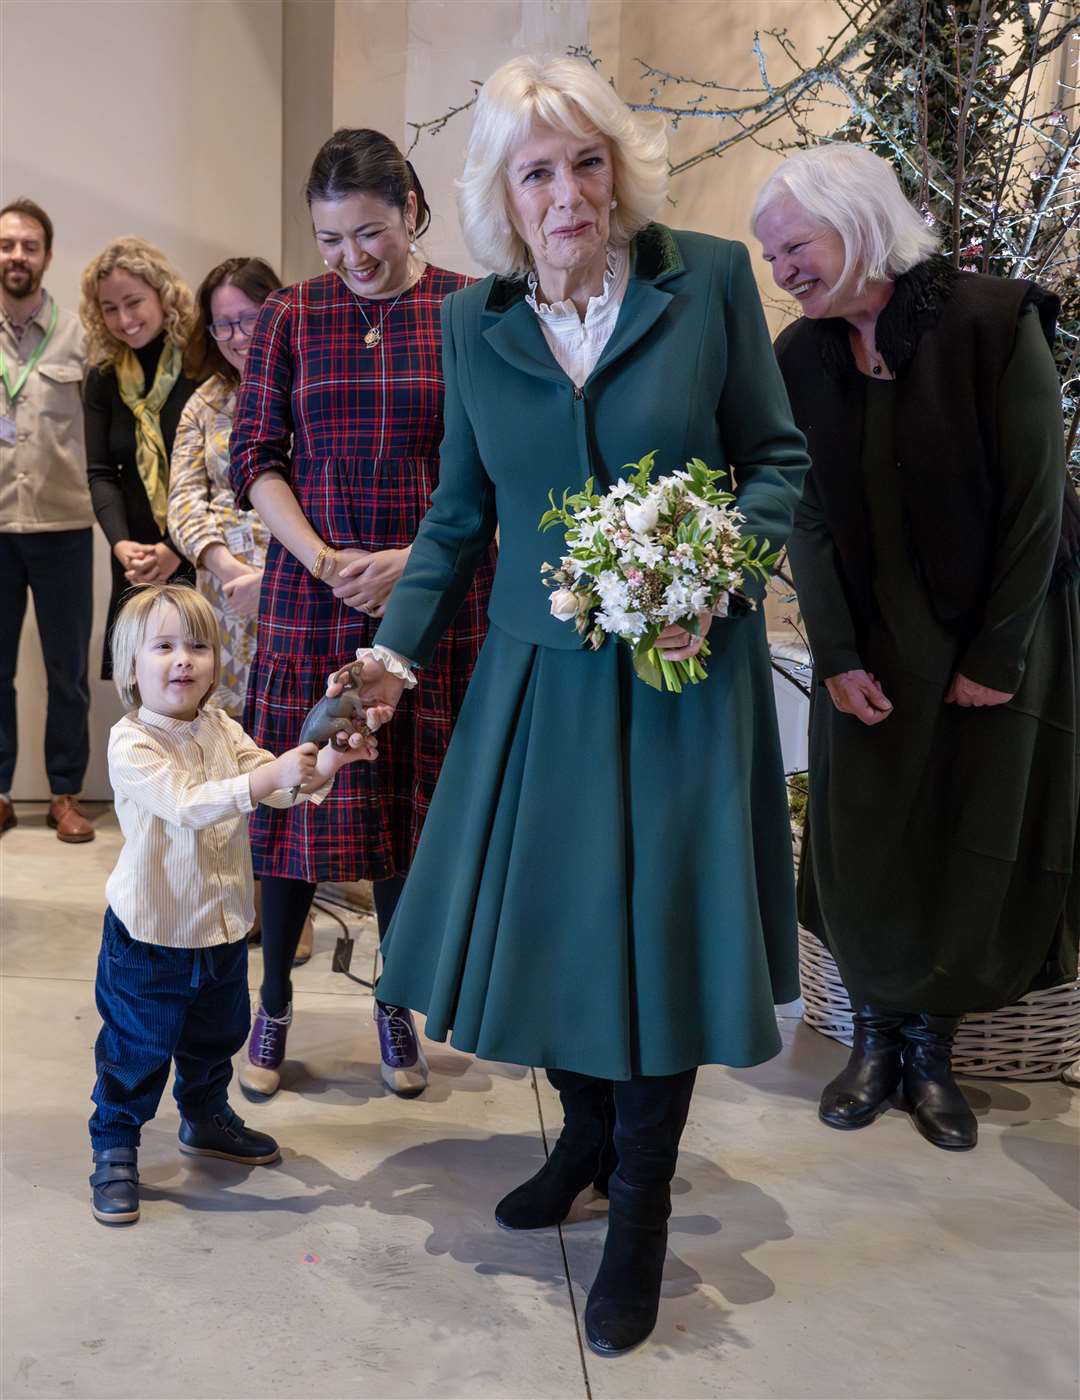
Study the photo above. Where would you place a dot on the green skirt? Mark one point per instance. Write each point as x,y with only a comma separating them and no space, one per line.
604,881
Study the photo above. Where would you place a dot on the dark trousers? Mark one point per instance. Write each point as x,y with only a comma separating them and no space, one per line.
158,1006
57,567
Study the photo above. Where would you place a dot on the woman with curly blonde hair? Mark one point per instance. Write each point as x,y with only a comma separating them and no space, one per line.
139,317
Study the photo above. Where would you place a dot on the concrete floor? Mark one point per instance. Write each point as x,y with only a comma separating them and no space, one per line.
803,1262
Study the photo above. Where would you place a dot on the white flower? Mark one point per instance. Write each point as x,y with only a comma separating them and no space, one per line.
620,621
677,599
612,589
642,516
720,607
647,553
564,605
621,488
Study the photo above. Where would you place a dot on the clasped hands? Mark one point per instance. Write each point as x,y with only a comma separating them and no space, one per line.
858,693
146,563
364,580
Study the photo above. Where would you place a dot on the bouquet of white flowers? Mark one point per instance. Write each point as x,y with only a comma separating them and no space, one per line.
647,554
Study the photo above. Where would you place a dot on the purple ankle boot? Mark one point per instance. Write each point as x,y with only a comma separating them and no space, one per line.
260,1074
404,1066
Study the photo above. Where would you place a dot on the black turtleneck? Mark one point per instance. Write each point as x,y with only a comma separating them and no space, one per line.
120,500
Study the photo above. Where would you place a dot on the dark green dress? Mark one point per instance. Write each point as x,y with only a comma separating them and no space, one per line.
604,881
940,865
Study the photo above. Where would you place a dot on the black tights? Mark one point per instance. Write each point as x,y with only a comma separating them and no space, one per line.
285,906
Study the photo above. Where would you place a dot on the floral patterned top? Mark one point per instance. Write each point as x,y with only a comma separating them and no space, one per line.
202,512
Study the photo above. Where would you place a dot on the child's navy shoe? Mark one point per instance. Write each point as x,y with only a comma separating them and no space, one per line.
224,1135
116,1186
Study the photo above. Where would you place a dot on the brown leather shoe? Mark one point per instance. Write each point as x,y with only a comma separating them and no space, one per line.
8,818
70,824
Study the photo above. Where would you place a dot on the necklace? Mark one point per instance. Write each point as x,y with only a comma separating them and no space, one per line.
375,333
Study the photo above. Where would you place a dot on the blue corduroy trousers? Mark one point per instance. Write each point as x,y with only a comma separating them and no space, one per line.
158,1006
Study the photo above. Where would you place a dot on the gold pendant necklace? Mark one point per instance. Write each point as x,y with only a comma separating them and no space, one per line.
375,333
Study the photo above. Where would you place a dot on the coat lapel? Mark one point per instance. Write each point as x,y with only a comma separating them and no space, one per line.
643,305
517,337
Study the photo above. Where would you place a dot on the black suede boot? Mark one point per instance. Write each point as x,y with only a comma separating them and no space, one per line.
862,1088
936,1101
650,1114
625,1297
584,1154
116,1186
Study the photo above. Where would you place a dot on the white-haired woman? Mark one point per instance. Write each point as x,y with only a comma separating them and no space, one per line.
933,552
603,886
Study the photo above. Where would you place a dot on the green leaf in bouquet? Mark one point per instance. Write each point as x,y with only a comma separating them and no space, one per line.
647,666
640,472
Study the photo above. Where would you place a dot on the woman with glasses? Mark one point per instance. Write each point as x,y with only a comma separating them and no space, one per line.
336,445
227,545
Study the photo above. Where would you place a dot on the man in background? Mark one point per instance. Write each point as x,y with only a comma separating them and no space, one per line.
46,544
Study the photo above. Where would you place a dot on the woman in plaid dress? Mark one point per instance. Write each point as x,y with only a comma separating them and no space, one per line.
335,444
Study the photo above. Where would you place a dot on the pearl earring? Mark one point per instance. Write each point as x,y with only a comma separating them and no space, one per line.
412,240
614,204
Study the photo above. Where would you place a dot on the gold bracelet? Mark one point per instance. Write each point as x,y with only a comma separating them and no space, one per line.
320,560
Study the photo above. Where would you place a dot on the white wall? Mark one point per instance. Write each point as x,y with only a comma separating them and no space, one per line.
401,60
163,120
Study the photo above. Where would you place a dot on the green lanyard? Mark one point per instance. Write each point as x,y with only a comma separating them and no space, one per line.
15,389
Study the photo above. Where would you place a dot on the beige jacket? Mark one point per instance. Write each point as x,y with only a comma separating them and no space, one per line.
43,473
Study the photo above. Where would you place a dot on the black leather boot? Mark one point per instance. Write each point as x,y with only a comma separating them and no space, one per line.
936,1101
862,1088
650,1114
584,1154
116,1186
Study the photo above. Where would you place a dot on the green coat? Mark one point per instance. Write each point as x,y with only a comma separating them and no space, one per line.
604,879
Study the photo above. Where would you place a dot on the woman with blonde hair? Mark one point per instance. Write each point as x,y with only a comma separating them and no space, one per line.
139,317
935,551
604,884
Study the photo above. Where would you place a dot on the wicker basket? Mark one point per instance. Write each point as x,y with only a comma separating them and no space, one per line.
1037,1037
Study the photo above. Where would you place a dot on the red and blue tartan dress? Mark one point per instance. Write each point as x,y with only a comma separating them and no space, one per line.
355,430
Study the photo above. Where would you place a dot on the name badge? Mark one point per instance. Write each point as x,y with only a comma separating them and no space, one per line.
8,432
241,540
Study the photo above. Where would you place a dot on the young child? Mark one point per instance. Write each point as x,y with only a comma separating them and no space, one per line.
172,972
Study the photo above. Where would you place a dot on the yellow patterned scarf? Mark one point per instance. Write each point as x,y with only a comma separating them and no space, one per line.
151,456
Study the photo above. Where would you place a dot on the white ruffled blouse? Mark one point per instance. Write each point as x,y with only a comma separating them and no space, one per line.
577,344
